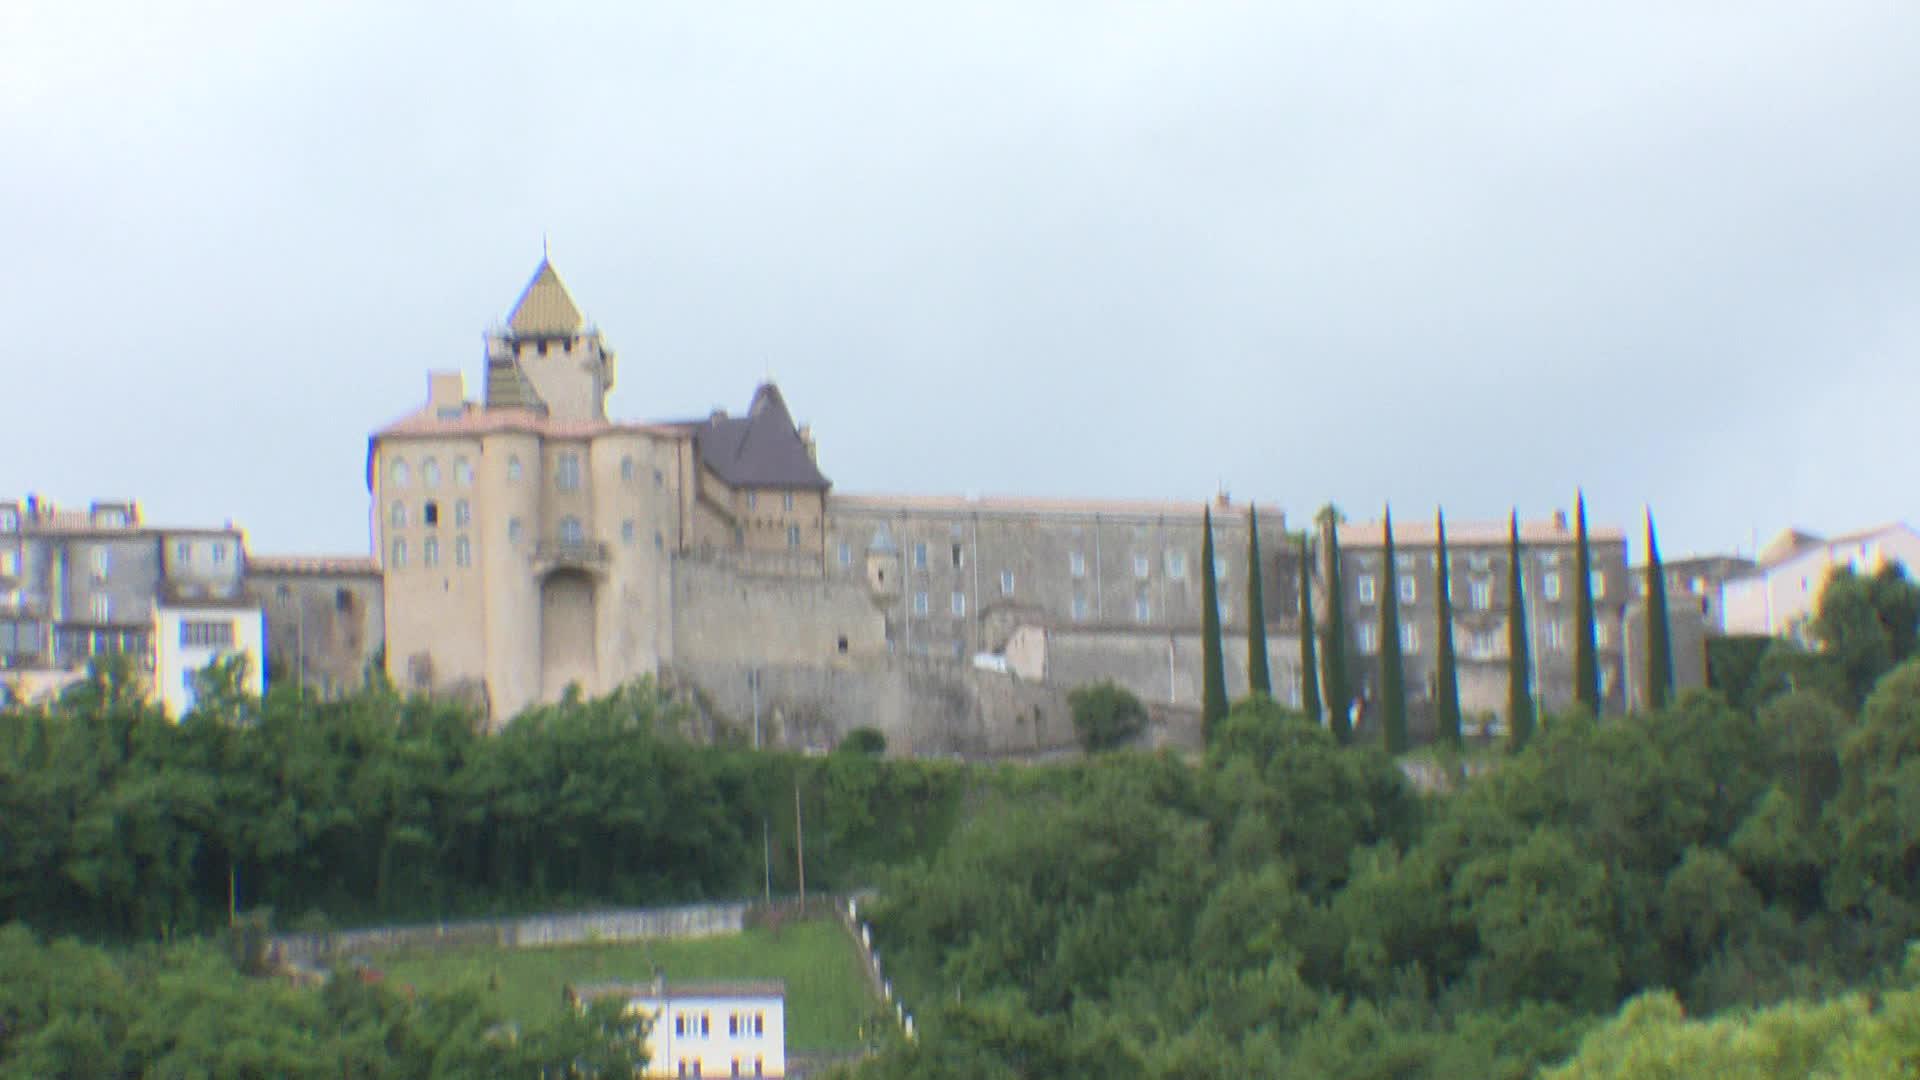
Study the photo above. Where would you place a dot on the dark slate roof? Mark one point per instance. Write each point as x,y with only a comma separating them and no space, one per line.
762,449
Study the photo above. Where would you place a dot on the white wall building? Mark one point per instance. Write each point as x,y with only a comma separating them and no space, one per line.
711,1029
190,634
1783,592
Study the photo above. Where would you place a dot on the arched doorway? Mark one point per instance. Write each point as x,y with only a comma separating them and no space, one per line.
567,653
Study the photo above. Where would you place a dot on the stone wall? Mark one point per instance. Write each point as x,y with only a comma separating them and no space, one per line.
722,615
692,921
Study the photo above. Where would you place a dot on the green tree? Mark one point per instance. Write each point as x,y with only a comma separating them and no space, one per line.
1393,676
1213,669
1446,697
1106,716
1586,655
863,740
1339,682
1519,666
1259,679
1659,630
1866,625
1309,660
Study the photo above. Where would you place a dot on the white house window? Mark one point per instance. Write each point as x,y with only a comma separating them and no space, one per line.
1006,583
1410,637
920,555
793,536
1599,584
566,474
102,607
462,513
398,474
1077,564
462,552
846,553
513,531
627,531
219,552
513,468
206,633
1550,585
1369,639
183,552
462,472
571,533
1141,566
920,603
430,473
1364,586
1409,590
786,501
1482,595
399,559
959,603
1176,565
1079,606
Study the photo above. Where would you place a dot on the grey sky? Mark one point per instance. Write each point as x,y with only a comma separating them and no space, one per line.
1468,255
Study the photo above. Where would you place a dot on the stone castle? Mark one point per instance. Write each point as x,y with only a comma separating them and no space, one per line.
525,544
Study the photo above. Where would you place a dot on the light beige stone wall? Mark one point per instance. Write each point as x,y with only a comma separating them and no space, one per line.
722,616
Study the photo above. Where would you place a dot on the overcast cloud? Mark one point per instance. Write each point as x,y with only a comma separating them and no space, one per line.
1469,255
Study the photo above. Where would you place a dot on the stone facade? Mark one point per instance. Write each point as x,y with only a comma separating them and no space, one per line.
324,620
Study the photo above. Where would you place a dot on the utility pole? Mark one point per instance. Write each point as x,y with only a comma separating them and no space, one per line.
800,845
766,857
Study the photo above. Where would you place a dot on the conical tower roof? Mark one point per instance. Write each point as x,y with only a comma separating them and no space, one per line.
545,309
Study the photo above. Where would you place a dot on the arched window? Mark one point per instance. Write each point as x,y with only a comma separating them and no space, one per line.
430,473
626,470
399,559
430,552
397,474
571,533
399,517
462,472
462,552
513,468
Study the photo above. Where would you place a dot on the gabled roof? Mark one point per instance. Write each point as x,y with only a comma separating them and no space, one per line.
760,449
545,309
1789,543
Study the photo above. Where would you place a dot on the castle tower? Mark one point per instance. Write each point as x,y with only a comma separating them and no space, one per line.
547,358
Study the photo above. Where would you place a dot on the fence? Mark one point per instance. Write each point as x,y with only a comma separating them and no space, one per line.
639,924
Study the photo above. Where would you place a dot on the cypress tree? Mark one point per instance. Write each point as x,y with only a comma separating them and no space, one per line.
1586,655
1213,671
1519,681
1659,631
1259,679
1309,656
1339,686
1446,696
1393,675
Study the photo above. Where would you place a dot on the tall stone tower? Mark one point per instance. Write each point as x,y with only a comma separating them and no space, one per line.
547,358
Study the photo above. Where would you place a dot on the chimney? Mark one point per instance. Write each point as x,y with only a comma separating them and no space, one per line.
806,439
1560,521
446,394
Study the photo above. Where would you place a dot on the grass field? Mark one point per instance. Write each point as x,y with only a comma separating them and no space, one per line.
827,999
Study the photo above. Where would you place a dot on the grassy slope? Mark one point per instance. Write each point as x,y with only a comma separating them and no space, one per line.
827,1000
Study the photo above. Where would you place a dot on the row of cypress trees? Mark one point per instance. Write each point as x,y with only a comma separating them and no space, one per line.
1324,663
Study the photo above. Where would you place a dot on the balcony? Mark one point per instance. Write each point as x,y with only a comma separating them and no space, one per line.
589,556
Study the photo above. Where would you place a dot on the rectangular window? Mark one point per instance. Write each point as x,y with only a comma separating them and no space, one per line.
566,475
1599,584
959,603
1410,637
399,559
920,603
1079,606
398,518
462,552
219,552
959,556
846,554
1482,595
206,633
793,536
1219,569
753,500
183,553
1550,585
628,531
1556,635
462,513
430,552
100,562
1077,564
1142,608
1006,583
1369,639
786,501
920,555
1141,566
1177,565
1600,634
9,520
513,531
429,515
1364,586
659,480
102,607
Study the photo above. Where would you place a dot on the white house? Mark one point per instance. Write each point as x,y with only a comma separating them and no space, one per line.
1782,593
190,634
705,1029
